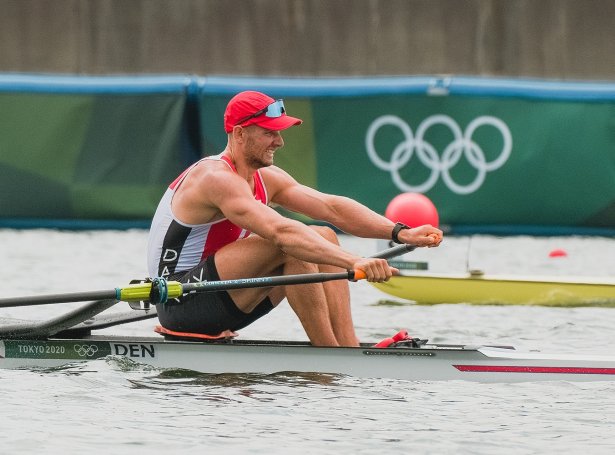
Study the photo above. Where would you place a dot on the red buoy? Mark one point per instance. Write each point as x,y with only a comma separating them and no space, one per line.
413,209
558,253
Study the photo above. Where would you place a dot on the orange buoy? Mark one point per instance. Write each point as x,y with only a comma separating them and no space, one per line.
413,209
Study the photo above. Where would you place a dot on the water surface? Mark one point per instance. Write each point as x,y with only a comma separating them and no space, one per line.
119,407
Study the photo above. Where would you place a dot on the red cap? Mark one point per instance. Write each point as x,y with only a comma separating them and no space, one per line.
245,104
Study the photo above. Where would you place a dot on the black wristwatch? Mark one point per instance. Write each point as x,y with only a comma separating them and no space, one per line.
398,227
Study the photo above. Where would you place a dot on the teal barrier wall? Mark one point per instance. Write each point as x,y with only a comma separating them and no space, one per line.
494,155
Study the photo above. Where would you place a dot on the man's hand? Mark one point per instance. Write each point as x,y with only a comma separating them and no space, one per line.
376,269
425,235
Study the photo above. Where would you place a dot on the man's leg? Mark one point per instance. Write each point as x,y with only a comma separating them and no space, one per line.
322,308
254,257
338,298
309,302
248,258
337,294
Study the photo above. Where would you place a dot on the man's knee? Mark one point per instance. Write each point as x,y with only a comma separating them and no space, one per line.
298,266
327,233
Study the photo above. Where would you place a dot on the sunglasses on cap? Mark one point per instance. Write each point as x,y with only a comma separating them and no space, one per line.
274,110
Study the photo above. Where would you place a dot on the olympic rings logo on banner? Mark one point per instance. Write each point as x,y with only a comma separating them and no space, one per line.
462,145
85,350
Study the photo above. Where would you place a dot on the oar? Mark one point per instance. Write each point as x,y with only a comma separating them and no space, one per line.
172,289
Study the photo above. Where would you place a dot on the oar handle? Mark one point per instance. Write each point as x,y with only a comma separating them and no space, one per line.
356,275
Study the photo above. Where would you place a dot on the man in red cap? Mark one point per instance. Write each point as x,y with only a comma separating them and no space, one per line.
215,223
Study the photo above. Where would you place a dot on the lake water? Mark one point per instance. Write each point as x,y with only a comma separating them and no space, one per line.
117,408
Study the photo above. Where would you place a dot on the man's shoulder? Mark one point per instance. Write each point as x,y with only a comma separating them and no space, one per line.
275,172
209,173
212,166
277,180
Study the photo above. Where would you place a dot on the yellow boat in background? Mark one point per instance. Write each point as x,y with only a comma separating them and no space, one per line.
476,288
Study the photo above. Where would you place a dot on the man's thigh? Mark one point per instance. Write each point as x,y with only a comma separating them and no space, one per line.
248,258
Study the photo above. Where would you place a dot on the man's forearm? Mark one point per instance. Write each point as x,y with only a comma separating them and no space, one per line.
356,219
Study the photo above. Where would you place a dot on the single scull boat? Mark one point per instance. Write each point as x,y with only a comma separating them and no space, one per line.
25,345
68,339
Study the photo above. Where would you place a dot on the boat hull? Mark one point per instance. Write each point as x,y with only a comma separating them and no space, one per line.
426,363
484,290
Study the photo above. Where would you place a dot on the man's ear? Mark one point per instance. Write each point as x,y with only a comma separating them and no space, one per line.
238,133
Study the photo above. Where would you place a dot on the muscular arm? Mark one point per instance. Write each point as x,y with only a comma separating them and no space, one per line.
233,197
344,213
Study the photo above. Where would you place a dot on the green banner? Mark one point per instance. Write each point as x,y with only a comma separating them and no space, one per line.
536,158
487,152
480,160
93,152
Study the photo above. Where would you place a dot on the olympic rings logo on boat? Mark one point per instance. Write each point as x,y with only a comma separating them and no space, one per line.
85,350
462,145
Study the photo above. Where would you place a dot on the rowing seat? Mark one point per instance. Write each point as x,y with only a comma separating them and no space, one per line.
189,336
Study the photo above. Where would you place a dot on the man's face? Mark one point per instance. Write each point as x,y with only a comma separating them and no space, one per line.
261,145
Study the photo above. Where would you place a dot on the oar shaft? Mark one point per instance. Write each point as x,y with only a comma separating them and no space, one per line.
285,280
58,298
139,292
264,282
394,251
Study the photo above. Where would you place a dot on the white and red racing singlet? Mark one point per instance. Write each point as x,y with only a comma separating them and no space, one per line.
175,246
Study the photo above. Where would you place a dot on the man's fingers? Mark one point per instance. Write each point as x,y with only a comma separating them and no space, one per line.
376,270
